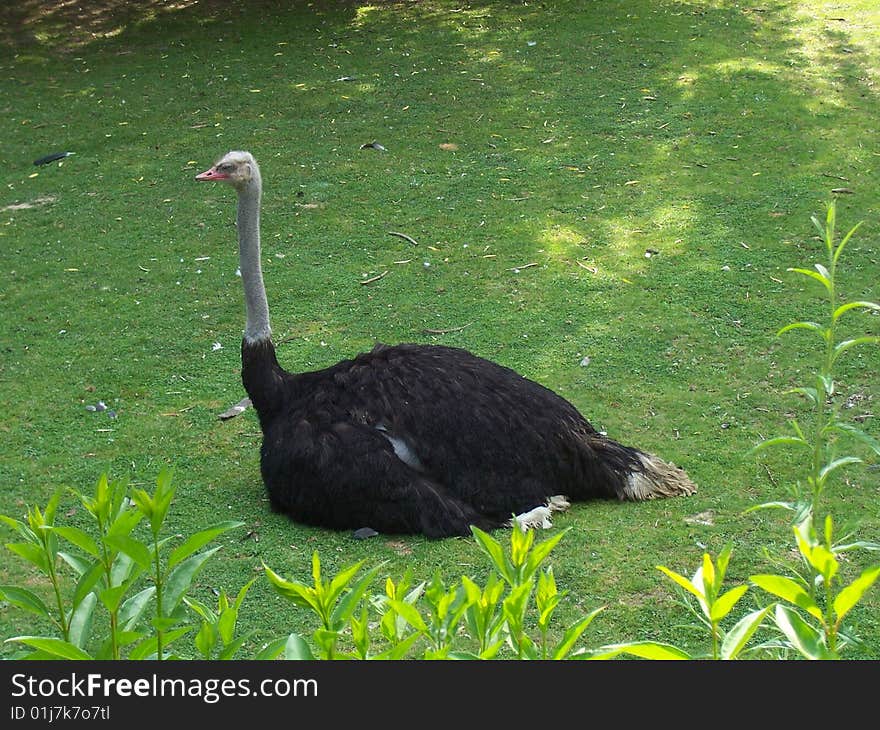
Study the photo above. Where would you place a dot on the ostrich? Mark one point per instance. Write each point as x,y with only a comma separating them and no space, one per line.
416,438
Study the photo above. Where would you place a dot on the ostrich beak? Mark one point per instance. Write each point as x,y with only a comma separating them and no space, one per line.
212,174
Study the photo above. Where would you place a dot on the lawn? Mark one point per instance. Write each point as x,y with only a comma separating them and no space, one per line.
604,196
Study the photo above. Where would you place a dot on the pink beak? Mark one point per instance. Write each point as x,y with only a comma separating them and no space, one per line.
212,174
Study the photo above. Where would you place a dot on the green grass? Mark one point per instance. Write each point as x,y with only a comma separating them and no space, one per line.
562,134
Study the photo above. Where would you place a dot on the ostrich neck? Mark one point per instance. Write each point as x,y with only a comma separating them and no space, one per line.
248,223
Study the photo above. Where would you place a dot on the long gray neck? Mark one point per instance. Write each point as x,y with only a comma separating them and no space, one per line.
248,223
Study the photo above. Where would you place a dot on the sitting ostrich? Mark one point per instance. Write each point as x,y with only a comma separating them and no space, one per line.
414,438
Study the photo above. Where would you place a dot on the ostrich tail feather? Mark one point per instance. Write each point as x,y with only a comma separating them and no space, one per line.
657,479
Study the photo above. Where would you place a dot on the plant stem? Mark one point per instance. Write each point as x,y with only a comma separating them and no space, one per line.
53,577
108,577
158,581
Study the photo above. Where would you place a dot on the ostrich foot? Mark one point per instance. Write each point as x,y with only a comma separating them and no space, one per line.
536,518
558,503
539,517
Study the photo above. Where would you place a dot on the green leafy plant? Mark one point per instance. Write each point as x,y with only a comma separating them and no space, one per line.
434,620
820,635
334,601
812,589
704,597
107,568
820,441
518,569
815,588
216,637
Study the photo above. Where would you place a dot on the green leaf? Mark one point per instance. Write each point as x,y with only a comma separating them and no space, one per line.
149,647
316,574
546,607
349,603
802,637
837,463
788,590
132,609
52,506
80,624
857,434
123,569
824,562
408,613
198,540
852,594
325,640
201,609
299,594
641,649
813,326
87,581
842,244
814,275
272,650
226,624
140,553
180,578
360,632
493,549
492,650
143,501
810,393
736,639
297,648
843,308
830,219
780,441
79,538
725,603
239,599
520,544
25,600
541,551
79,564
710,586
827,383
842,347
517,602
400,649
22,529
124,523
722,561
573,633
339,582
58,648
205,639
231,649
112,596
791,507
32,553
683,582
125,638
155,507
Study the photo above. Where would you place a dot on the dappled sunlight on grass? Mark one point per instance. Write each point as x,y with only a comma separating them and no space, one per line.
70,25
562,240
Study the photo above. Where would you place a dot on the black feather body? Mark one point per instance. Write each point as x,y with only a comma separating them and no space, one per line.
422,439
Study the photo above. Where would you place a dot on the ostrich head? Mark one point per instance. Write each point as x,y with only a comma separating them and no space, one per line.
237,168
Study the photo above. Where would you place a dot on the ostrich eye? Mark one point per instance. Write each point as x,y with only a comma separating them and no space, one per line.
225,167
